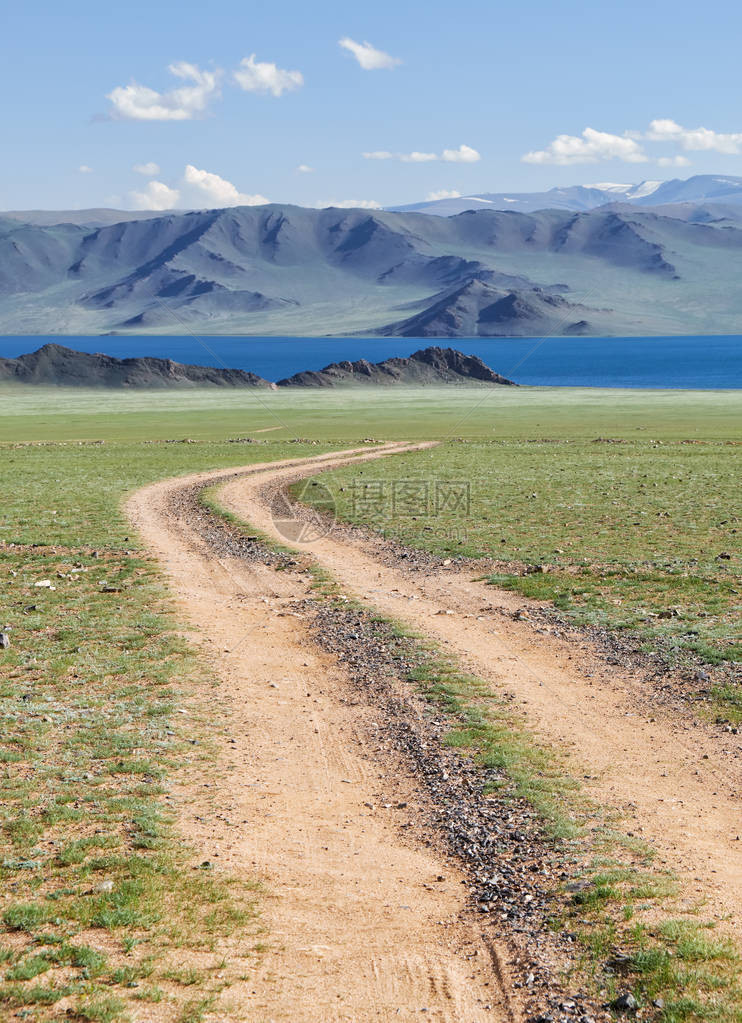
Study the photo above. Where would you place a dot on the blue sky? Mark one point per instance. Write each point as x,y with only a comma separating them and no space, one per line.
80,84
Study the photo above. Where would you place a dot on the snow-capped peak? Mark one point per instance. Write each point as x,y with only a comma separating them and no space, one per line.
645,188
609,186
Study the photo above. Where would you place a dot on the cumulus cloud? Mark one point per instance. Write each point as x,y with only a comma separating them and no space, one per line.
256,76
443,193
368,56
156,196
590,147
304,168
84,169
593,146
149,170
217,191
137,102
464,154
694,139
351,204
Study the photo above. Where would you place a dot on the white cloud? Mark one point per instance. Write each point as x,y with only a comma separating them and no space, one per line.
443,193
149,170
673,161
140,103
304,168
464,154
254,76
155,196
368,56
351,204
590,147
593,146
694,139
197,188
416,157
217,190
84,169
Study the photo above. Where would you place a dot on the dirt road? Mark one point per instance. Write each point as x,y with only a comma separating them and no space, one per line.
677,783
360,926
361,923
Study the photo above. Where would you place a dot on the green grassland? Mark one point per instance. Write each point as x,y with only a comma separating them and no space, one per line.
99,905
638,534
97,901
44,413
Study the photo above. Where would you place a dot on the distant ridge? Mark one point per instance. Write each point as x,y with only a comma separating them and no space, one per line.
701,188
59,366
100,217
427,366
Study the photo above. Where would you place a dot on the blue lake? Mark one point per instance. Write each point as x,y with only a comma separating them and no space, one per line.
674,362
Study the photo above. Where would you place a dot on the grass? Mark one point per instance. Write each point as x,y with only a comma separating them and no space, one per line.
640,537
43,414
89,739
96,888
485,727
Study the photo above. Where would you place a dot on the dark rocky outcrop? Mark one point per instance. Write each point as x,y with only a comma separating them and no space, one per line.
428,366
54,364
59,366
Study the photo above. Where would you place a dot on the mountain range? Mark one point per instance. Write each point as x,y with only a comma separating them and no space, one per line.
619,268
702,188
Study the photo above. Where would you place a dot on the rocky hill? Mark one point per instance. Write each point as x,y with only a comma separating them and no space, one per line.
426,367
59,366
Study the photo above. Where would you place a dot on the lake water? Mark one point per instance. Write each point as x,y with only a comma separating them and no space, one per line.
674,362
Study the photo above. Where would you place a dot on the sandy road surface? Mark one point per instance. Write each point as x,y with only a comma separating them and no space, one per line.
678,783
361,923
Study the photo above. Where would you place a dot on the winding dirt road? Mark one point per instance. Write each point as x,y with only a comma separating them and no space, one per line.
678,784
359,926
